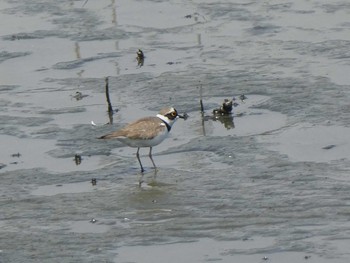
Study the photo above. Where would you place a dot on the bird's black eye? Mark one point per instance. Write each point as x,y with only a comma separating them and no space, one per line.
174,114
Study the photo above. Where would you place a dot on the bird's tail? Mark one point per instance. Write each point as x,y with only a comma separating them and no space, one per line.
107,136
112,135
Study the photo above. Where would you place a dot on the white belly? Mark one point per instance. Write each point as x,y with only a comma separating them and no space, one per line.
144,142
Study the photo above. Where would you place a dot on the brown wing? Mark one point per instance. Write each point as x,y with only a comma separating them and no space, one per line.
145,128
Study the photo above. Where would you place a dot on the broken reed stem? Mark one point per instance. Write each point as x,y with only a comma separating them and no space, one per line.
201,98
110,109
202,107
85,3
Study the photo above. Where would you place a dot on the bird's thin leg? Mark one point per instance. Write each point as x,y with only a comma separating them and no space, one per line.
150,156
138,158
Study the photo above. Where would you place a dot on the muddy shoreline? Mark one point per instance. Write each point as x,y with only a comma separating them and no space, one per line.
269,184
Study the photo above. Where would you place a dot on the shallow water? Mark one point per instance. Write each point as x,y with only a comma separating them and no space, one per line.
268,185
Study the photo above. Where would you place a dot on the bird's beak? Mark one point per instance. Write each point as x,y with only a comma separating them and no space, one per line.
184,116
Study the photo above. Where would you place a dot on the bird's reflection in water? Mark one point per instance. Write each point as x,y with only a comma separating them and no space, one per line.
224,114
226,120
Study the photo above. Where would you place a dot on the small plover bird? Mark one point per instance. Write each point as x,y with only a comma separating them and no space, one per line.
225,109
140,54
146,132
140,58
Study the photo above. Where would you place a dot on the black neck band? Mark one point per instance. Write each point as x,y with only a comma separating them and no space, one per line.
167,125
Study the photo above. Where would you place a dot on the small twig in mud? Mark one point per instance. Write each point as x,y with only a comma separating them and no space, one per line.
243,98
16,155
201,98
77,159
202,107
110,109
93,181
85,3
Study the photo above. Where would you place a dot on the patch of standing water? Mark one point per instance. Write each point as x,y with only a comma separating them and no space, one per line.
72,188
24,153
171,15
208,250
88,227
311,143
247,119
49,190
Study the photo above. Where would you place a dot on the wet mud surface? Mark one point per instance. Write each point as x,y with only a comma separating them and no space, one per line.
269,183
